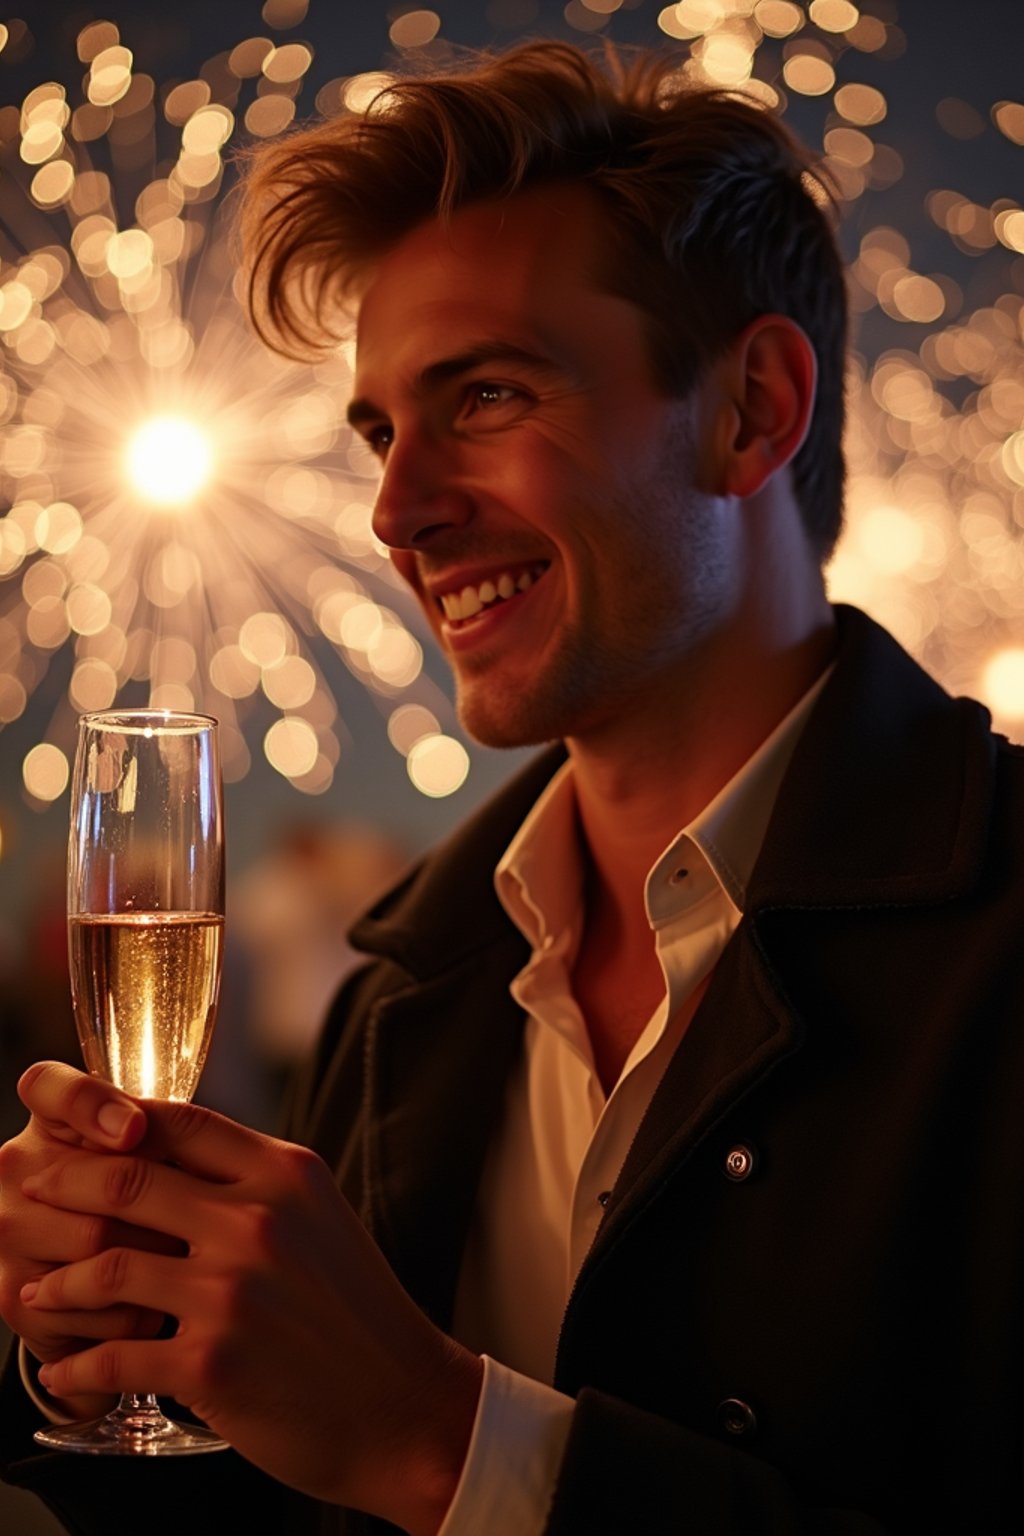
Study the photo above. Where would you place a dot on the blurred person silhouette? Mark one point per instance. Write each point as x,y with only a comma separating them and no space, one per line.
291,909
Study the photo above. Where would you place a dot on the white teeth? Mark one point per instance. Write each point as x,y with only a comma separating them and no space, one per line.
472,600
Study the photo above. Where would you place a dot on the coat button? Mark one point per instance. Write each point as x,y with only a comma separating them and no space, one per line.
736,1417
739,1162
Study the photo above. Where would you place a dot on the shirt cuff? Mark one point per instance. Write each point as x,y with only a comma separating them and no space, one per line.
515,1450
28,1368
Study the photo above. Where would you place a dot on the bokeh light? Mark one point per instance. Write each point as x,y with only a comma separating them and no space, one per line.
438,765
46,772
1002,683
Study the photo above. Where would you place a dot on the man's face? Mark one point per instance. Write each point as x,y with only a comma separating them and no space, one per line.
539,493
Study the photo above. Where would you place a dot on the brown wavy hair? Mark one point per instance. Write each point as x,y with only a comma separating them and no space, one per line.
716,214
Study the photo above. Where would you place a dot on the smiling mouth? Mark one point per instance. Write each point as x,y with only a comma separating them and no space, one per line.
467,603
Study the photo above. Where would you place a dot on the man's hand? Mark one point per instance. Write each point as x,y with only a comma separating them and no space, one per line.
69,1110
295,1340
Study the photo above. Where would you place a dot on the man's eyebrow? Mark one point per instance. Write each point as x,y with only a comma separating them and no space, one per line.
362,410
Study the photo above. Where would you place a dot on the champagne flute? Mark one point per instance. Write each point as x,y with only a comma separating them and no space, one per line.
145,934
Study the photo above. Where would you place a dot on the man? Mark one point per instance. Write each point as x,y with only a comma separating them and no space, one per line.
680,1102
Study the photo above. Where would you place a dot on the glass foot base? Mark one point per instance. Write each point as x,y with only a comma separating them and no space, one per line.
132,1431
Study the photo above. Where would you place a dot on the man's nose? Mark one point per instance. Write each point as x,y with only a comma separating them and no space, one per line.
419,494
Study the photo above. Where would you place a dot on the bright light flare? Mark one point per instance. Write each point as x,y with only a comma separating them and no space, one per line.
169,460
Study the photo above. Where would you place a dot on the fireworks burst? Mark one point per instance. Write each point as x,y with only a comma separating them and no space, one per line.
188,517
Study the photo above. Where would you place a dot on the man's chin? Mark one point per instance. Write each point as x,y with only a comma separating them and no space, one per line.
491,722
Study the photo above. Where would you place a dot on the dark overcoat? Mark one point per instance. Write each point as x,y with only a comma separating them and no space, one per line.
802,1314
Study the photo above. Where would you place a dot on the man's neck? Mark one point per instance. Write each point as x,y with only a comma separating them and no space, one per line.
642,779
636,788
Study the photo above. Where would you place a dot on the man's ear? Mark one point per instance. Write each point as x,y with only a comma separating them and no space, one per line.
768,376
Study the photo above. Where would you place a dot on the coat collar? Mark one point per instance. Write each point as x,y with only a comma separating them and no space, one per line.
886,802
889,794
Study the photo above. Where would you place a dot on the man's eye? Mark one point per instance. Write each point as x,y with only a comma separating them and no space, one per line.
492,394
484,397
379,440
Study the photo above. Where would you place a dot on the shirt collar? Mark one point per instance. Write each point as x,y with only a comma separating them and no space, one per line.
539,878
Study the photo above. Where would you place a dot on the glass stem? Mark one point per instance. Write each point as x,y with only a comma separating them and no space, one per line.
140,1412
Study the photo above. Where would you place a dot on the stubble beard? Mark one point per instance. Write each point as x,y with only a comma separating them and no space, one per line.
588,685
497,713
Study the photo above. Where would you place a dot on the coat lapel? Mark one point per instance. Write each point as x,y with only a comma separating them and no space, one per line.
437,1059
440,1044
742,1029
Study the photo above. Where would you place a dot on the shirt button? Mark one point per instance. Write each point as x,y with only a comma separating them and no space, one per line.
739,1162
604,1197
736,1417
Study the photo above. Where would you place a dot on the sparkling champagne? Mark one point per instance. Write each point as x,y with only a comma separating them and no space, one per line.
145,935
144,987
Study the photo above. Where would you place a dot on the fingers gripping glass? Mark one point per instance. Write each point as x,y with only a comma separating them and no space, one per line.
145,934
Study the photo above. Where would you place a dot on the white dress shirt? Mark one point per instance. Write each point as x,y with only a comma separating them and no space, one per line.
561,1141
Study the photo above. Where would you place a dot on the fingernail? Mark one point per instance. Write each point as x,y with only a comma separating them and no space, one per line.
45,1375
114,1118
29,1290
